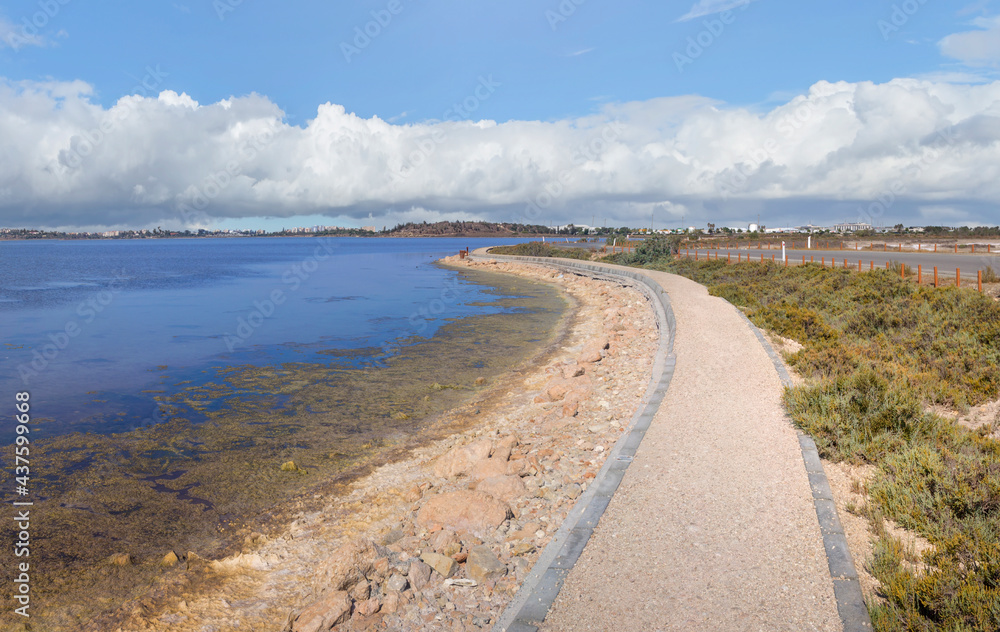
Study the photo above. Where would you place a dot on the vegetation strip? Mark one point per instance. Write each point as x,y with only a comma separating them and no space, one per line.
540,589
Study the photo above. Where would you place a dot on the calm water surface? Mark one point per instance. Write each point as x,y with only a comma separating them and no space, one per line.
86,326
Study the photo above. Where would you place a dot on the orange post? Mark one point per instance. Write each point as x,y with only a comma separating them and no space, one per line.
900,246
810,258
873,265
729,257
803,259
845,264
695,254
920,274
886,265
884,247
958,277
762,257
935,277
859,265
935,247
823,262
772,258
956,249
902,270
979,280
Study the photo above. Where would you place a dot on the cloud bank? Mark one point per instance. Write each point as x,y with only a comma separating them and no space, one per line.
841,151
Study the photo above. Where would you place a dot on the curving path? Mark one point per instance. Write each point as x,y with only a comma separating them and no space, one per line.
715,525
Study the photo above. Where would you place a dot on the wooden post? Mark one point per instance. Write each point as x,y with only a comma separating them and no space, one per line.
886,265
859,265
823,262
872,266
729,257
935,277
762,257
695,254
935,247
902,270
811,259
920,274
979,280
772,258
884,247
958,277
956,248
803,259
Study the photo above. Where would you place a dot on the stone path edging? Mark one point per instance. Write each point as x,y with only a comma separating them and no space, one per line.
532,602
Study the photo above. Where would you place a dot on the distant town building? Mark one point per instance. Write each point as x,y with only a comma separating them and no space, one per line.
851,228
752,228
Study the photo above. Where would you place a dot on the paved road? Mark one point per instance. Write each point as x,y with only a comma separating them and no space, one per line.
945,262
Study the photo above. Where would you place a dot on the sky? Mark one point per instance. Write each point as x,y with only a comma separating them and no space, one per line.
247,114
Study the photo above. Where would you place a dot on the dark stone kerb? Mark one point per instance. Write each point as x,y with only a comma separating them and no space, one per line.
529,607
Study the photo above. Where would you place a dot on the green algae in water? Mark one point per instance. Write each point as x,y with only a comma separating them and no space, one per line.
201,482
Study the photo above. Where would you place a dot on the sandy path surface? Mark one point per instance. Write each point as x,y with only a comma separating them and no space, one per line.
713,527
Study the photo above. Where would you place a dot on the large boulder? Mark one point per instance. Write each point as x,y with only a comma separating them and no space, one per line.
332,609
463,510
460,460
505,488
350,564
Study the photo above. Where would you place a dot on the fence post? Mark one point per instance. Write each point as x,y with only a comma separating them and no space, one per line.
935,277
803,259
902,270
823,262
958,277
920,274
886,265
872,266
979,280
859,265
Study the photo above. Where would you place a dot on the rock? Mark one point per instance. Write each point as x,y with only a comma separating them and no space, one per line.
463,510
480,381
522,548
397,583
368,607
289,466
361,591
483,565
419,574
502,448
444,565
505,488
557,391
489,468
169,559
395,535
570,409
460,460
572,370
442,540
350,564
120,559
391,603
573,490
464,583
334,608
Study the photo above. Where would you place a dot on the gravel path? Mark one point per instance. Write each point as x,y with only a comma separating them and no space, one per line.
713,527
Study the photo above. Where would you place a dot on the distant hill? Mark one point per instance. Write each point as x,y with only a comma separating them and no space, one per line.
465,229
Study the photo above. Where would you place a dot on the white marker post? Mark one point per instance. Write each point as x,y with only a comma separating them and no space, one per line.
809,242
784,259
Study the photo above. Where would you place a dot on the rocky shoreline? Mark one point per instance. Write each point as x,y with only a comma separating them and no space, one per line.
443,539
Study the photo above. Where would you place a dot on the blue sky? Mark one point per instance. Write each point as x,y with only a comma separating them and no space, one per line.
564,64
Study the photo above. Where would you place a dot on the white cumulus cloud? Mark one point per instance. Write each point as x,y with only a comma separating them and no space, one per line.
840,151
